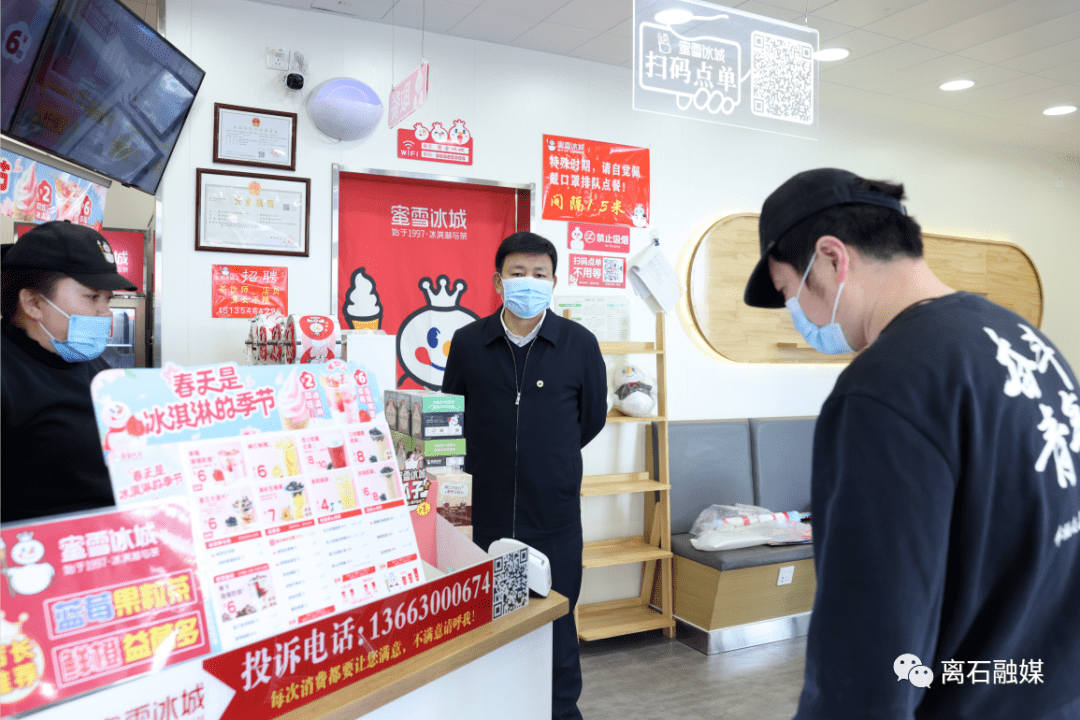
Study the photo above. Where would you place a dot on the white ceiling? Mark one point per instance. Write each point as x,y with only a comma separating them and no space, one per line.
1024,55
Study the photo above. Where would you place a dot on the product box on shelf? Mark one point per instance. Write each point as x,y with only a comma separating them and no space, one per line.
426,414
455,496
409,446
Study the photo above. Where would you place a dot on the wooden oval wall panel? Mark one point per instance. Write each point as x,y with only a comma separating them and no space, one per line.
727,251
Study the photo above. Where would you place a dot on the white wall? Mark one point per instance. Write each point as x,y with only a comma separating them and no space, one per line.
509,98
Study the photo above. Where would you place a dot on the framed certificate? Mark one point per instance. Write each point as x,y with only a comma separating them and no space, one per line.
249,136
244,212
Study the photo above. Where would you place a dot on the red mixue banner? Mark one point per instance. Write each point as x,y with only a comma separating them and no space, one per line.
416,259
279,674
89,601
244,291
595,182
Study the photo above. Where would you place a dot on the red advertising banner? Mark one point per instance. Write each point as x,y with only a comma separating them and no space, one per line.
281,673
127,248
408,95
436,144
597,238
243,291
597,272
416,259
595,182
96,599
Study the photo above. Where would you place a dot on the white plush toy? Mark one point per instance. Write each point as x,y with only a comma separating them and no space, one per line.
635,391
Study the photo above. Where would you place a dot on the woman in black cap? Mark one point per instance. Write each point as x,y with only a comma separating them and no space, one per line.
56,284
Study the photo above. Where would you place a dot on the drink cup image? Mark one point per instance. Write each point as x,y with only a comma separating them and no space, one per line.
335,446
300,508
293,405
341,394
382,448
389,476
346,492
290,456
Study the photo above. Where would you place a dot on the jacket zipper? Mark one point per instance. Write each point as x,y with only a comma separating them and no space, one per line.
517,421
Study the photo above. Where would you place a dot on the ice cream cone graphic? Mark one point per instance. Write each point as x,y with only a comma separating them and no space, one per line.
362,309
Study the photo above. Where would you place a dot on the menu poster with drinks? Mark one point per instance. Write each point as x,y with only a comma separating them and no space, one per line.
94,599
34,192
298,506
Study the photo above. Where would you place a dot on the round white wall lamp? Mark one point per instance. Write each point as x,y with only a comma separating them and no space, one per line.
1060,110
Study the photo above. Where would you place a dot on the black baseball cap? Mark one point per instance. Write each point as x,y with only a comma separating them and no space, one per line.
75,250
803,195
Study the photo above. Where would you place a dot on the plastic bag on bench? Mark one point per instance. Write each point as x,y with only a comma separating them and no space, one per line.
727,527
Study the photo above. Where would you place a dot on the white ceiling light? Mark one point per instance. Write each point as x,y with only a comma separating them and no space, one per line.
1060,110
831,54
673,16
956,85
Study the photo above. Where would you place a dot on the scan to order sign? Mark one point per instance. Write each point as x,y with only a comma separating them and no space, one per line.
700,61
91,600
297,507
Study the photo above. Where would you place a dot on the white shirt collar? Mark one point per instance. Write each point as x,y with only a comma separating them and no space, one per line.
517,339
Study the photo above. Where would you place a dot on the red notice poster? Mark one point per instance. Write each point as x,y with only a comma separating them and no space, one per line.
244,291
89,601
595,182
597,272
416,259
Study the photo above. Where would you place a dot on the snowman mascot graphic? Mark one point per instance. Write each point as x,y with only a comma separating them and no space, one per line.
424,336
28,576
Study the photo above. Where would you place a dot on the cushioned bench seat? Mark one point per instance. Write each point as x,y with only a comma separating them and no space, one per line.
741,557
761,461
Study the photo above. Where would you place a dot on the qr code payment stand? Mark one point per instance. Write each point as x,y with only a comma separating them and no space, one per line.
464,590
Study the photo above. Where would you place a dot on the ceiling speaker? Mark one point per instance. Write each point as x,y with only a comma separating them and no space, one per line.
344,108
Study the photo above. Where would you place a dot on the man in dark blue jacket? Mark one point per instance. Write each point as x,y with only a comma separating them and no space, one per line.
535,393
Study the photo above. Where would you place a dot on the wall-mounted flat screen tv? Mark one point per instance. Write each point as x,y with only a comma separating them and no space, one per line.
106,91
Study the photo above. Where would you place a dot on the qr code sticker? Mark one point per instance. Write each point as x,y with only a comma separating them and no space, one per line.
782,78
613,270
510,587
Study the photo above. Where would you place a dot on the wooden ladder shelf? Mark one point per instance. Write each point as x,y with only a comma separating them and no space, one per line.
653,547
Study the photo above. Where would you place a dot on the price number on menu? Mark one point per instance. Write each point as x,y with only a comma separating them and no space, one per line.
430,603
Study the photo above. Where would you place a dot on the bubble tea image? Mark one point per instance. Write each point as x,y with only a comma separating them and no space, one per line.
390,479
382,446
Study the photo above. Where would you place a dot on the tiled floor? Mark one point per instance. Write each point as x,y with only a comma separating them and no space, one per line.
649,676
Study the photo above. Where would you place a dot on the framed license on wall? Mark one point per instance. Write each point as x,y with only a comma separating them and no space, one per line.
244,212
250,136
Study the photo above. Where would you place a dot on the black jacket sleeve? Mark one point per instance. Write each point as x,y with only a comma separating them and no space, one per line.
454,376
883,497
593,392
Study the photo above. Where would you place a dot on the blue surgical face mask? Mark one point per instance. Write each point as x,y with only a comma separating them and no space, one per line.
828,339
86,336
527,297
